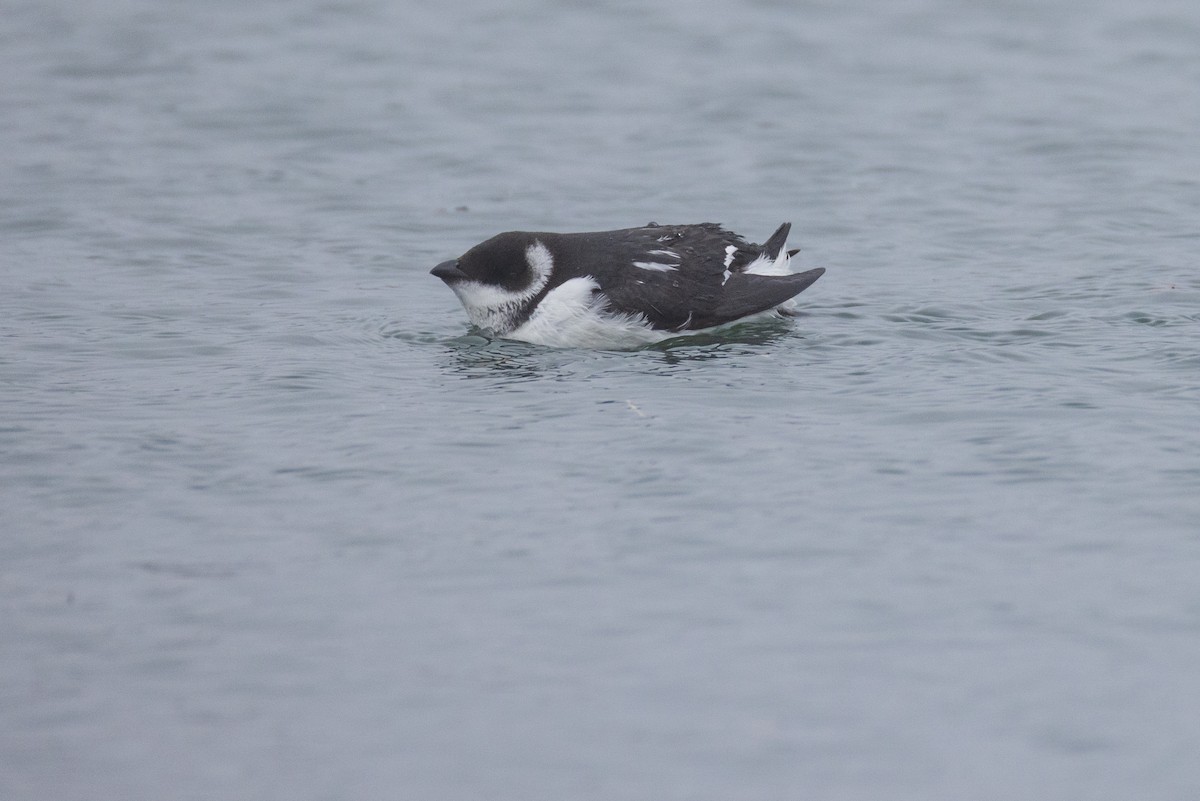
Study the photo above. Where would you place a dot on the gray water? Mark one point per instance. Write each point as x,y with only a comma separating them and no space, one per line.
276,524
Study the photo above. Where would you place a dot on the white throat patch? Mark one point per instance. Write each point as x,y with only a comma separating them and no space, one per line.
497,309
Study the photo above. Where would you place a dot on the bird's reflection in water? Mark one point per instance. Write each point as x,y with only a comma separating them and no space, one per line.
736,339
477,355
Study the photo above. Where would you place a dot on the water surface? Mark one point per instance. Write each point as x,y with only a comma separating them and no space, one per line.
277,524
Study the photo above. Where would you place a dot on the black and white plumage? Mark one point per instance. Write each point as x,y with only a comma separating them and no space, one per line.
622,288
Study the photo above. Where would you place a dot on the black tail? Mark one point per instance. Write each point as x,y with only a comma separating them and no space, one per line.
777,241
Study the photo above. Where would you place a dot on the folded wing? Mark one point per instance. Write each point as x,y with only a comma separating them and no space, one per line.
746,294
689,277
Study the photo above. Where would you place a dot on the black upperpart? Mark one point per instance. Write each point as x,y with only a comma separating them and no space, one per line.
679,277
500,261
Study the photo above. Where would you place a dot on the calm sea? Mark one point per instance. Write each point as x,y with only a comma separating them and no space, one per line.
276,524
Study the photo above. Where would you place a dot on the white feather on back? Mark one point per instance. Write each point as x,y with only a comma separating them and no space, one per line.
764,265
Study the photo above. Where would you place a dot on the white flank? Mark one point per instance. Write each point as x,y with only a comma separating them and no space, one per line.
655,266
494,308
573,315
